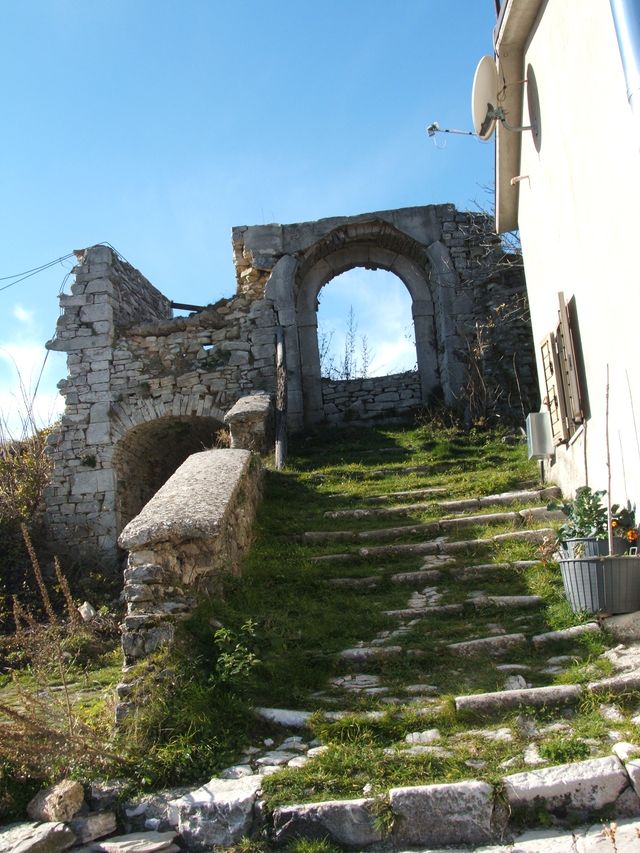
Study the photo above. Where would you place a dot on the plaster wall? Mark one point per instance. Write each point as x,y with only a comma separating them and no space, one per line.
578,200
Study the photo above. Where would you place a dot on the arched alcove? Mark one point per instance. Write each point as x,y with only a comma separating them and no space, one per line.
147,455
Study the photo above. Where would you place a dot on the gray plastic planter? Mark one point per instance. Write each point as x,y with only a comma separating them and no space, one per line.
602,584
576,549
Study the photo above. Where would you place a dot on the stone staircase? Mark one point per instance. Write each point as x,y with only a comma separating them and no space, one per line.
467,642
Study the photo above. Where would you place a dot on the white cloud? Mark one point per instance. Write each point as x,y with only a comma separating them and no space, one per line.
21,366
22,314
382,312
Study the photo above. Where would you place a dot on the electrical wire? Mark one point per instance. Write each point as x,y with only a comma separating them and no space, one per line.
21,276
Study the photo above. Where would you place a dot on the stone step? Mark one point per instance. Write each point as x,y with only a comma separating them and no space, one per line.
537,697
566,634
461,505
373,581
505,601
290,719
410,493
441,546
506,700
432,527
425,612
364,654
494,646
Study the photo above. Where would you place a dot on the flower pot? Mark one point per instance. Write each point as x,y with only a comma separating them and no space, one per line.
574,549
602,584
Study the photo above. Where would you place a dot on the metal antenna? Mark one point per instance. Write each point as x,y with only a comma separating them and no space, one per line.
434,128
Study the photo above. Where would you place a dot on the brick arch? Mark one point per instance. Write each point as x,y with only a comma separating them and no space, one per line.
147,454
373,244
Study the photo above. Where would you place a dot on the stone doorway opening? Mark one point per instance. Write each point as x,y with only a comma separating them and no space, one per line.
366,343
365,326
148,454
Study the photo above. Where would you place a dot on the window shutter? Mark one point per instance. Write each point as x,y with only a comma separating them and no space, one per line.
567,358
555,395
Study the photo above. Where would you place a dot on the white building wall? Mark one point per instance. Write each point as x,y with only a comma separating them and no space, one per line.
579,215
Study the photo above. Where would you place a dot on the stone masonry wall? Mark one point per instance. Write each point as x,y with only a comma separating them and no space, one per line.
374,398
141,396
193,531
145,390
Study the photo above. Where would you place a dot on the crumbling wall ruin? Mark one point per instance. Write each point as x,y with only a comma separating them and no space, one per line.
146,390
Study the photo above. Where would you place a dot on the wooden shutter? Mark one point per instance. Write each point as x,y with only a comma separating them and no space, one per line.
568,365
555,399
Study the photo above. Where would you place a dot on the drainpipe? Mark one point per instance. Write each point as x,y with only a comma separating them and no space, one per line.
626,19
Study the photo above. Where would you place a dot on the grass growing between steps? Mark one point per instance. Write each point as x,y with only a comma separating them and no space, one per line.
304,622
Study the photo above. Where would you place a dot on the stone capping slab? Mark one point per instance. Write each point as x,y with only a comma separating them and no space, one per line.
253,405
214,476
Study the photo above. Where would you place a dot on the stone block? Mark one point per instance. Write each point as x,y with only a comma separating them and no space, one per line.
98,433
100,285
96,377
583,786
218,813
348,822
25,837
59,802
95,313
93,826
457,813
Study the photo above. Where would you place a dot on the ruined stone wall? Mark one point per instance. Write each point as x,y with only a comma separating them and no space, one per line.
375,398
141,396
146,390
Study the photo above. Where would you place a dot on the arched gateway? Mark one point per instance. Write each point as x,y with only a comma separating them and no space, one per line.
146,389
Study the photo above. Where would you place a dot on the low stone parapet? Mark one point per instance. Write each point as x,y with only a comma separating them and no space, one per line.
251,423
194,530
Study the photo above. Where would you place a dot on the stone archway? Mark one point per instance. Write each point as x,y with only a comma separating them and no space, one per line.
373,245
149,453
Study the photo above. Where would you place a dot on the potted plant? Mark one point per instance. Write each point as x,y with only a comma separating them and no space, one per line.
585,533
597,573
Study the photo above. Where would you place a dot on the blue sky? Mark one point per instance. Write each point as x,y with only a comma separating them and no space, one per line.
157,126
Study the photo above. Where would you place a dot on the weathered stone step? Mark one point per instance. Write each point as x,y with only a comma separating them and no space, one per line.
444,547
555,694
300,719
440,545
373,581
505,601
496,645
425,612
461,505
565,634
432,527
410,493
505,700
364,654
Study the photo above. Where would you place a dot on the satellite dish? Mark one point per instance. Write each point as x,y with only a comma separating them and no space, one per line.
484,98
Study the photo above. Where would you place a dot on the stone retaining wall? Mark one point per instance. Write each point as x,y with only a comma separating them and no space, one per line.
375,398
192,532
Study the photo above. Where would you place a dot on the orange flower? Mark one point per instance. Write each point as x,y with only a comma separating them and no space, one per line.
614,524
632,535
